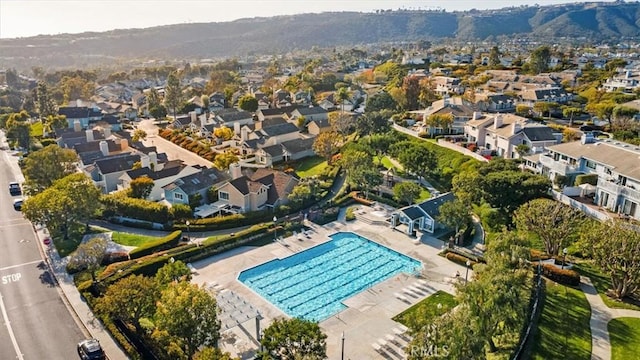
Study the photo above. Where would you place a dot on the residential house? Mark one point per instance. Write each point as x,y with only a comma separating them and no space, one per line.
228,117
309,114
279,133
461,110
498,103
422,216
287,151
317,127
82,115
274,112
217,101
446,85
197,184
106,171
615,163
626,81
265,188
554,94
161,178
502,133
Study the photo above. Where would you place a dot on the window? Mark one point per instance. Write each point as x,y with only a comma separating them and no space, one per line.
178,196
590,164
223,195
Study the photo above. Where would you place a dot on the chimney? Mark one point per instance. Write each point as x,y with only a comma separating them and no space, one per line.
106,132
628,74
236,128
235,170
244,134
153,160
476,115
515,127
104,148
194,116
89,135
587,138
124,144
144,161
497,121
76,126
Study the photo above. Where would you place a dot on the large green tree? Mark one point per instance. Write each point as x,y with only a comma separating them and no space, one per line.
539,61
173,93
70,200
186,319
555,223
615,247
454,214
130,299
248,103
141,187
380,101
288,339
45,105
417,158
18,129
407,192
43,167
326,144
89,256
171,272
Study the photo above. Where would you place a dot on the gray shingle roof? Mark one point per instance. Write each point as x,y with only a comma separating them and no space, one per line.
432,206
539,133
280,129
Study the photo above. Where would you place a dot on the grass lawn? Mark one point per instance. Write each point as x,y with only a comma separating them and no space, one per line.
563,330
129,239
385,162
421,313
602,283
625,338
311,166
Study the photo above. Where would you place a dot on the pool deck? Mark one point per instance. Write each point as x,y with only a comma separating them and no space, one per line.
368,317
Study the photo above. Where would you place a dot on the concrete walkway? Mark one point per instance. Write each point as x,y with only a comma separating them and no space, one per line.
601,314
91,326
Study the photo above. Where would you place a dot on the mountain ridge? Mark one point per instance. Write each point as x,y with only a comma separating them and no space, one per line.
279,34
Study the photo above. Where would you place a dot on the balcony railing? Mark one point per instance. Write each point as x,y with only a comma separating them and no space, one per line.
560,167
612,187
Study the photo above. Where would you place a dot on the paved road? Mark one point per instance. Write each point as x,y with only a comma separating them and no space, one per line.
173,151
35,322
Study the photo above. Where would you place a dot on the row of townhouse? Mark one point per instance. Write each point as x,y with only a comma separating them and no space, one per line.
616,164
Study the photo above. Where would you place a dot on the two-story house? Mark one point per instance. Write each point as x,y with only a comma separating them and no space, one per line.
502,133
80,114
265,188
616,164
461,110
197,184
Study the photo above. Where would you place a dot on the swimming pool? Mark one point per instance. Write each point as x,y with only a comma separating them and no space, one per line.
313,283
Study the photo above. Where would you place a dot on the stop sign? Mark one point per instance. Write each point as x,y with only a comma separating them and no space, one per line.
46,241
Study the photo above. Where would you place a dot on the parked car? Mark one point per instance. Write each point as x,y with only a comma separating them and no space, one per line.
14,188
90,349
17,204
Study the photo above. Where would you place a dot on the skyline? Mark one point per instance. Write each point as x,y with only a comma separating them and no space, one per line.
24,18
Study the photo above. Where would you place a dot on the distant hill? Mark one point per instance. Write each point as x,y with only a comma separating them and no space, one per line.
595,21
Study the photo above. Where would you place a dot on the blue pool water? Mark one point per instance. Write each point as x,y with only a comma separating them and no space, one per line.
313,283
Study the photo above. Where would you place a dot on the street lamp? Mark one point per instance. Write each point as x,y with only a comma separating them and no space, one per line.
564,256
188,234
466,274
275,229
342,356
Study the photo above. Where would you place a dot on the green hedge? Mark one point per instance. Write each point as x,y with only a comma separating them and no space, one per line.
140,209
562,276
586,179
459,259
163,243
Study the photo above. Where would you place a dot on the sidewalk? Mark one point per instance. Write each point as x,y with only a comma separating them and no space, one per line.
601,314
74,301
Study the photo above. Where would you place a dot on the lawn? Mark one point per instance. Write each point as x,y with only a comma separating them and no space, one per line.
625,338
385,162
563,329
311,166
129,239
602,283
423,312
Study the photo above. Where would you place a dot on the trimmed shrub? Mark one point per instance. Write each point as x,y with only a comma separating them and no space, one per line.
163,243
536,255
459,259
349,214
562,276
586,179
134,208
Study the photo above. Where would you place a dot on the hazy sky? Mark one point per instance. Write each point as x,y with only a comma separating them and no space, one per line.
20,18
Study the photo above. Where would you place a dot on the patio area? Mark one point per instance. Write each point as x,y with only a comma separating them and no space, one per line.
366,322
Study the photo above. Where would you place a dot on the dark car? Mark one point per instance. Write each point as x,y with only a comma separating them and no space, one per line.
17,204
14,188
90,350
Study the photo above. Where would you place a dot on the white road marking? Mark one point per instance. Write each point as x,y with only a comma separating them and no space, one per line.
11,334
23,264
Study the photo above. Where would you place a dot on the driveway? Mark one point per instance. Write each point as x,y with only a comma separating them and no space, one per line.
173,151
